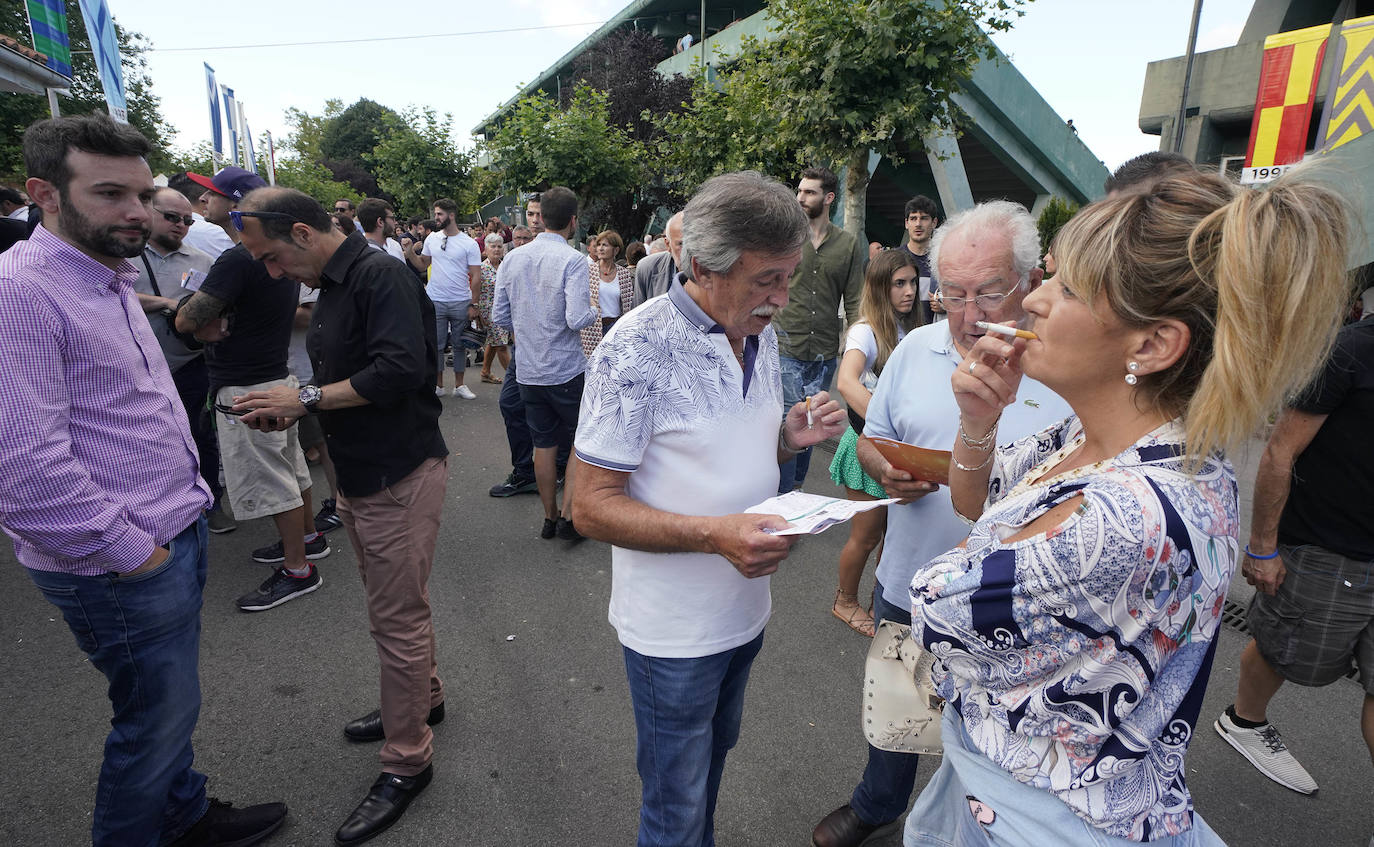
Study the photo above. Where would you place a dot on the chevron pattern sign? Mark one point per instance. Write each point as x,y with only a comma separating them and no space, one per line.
1287,88
1349,111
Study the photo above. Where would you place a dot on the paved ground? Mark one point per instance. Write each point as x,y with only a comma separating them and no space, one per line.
538,747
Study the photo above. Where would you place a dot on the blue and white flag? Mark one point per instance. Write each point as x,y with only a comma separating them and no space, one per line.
105,47
216,124
250,155
231,115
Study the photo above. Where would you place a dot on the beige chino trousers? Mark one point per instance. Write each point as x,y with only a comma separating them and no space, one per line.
393,533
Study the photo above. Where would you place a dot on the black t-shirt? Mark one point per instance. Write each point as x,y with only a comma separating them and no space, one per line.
261,312
922,261
1330,503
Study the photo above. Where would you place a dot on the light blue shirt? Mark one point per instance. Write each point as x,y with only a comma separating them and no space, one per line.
914,403
543,293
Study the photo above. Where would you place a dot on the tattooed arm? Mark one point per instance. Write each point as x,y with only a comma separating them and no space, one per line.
201,316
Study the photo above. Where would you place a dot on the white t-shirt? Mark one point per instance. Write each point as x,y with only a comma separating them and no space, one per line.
297,360
609,298
393,248
453,255
664,402
862,337
208,238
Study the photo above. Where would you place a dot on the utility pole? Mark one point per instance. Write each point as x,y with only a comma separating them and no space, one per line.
1187,78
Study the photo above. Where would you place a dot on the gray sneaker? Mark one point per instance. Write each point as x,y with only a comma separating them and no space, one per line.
279,587
1265,749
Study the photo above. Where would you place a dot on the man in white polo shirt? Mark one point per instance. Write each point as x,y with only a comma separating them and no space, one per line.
985,260
677,436
455,280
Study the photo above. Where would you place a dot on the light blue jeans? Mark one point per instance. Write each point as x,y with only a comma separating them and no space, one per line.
799,381
687,717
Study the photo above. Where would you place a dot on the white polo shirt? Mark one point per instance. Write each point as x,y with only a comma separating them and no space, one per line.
914,403
667,402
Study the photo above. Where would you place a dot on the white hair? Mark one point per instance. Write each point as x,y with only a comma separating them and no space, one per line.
658,245
1010,220
735,212
496,235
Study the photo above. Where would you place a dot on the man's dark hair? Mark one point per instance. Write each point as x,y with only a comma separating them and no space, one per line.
430,224
829,184
1145,170
286,201
189,188
533,198
558,206
372,212
46,144
447,205
921,203
412,221
346,202
9,195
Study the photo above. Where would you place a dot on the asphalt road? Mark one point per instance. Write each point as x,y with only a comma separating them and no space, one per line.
538,747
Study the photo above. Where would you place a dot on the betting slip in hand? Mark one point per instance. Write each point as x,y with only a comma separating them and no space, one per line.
809,514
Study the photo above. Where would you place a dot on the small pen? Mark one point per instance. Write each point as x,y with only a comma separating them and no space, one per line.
1009,331
810,421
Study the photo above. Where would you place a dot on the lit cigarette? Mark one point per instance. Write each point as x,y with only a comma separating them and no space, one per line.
1009,331
810,421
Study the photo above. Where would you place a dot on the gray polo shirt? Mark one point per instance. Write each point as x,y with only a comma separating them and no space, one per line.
169,270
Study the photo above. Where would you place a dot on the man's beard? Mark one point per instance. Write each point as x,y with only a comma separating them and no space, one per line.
167,241
102,242
813,212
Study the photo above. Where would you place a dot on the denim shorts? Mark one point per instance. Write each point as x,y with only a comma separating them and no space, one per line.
1320,619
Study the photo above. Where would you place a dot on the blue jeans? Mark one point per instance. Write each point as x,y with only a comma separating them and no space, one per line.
687,717
143,633
449,319
885,791
799,381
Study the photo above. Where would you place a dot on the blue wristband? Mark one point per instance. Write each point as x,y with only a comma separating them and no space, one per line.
1273,555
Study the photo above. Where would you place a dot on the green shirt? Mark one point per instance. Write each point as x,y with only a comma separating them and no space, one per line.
809,328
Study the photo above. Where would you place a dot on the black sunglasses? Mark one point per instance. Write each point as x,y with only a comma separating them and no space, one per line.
173,217
236,217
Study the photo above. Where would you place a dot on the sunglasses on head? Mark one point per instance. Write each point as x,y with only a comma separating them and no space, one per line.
236,217
174,217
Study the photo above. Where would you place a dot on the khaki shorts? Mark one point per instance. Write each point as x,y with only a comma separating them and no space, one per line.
264,472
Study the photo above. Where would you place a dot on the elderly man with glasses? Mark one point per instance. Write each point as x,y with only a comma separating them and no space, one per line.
985,259
170,269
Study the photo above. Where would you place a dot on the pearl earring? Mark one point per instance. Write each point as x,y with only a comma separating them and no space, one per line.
1131,378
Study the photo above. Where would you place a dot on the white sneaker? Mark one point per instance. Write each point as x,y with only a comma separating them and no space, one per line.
464,392
1265,749
438,391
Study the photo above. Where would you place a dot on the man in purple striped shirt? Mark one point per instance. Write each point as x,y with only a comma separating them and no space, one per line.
99,486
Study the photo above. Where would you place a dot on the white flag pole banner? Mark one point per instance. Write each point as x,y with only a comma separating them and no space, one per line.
231,117
216,124
105,49
249,162
271,160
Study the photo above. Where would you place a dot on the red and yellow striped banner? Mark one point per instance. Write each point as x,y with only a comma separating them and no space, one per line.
1287,89
1349,111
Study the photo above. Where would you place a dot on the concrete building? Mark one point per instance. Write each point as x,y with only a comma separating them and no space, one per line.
1017,147
1222,93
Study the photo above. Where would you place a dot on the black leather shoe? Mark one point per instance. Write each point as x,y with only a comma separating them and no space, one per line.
369,726
222,824
844,828
567,531
384,804
549,528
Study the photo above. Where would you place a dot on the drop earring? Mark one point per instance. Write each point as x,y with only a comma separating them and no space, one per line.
1131,378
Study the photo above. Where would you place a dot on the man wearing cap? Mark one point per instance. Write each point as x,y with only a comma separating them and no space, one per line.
245,317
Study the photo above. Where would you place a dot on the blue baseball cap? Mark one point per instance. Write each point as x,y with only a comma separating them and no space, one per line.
231,182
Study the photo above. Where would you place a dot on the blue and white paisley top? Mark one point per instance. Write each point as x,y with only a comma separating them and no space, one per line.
1078,658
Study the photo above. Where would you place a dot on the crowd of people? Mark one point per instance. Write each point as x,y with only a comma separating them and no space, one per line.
180,355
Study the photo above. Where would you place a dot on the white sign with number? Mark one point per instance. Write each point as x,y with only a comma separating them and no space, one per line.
1249,176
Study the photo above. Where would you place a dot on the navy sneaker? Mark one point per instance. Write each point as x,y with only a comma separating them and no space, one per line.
274,553
326,519
280,587
514,485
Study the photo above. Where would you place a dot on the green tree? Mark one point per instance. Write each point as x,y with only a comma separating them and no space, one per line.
416,162
307,131
353,134
538,145
1056,213
18,111
302,174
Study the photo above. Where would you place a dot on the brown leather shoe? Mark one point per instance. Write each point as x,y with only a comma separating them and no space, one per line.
844,828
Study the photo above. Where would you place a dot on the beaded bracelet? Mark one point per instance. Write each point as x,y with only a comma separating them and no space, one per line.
1273,555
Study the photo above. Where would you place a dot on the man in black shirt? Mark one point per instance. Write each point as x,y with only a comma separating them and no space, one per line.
1311,557
244,314
372,343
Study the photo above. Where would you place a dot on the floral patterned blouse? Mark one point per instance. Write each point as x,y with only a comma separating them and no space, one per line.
1078,658
497,336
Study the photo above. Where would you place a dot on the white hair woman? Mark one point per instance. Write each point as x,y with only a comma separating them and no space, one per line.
498,338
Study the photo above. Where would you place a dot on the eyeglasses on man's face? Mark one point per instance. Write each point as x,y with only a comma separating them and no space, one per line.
174,217
236,217
985,302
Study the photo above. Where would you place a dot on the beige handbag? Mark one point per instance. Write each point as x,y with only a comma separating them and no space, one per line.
901,711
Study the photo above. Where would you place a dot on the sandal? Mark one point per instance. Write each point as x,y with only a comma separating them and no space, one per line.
860,619
494,380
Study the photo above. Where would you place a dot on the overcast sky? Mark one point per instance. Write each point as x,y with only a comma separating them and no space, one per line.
1086,57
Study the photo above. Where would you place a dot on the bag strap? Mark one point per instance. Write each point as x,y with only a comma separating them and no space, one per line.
152,277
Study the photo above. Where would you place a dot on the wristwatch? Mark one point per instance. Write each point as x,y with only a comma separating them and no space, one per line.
310,397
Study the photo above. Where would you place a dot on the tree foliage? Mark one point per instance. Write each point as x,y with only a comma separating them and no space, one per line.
354,133
538,145
302,174
624,64
307,131
1053,216
416,161
18,111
